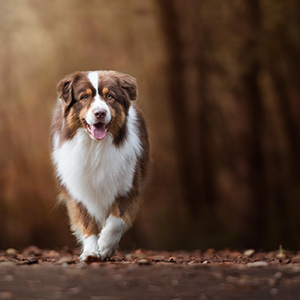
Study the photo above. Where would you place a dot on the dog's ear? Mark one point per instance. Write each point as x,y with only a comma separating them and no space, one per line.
64,90
129,85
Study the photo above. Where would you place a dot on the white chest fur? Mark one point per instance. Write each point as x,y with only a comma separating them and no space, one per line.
95,172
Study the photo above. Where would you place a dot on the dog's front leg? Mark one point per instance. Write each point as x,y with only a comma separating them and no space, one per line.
123,213
90,248
110,236
84,228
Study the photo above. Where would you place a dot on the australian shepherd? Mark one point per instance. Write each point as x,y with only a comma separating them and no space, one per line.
100,151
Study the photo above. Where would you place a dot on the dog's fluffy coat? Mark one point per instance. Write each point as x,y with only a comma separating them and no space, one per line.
100,151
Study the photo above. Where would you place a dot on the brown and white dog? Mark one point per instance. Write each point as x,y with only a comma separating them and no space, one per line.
100,151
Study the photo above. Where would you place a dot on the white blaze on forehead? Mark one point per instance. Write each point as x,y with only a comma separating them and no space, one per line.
98,103
94,79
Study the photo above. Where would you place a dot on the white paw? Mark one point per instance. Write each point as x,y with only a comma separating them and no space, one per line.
90,249
110,236
107,251
90,255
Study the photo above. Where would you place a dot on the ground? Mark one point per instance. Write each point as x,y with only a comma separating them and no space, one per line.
50,274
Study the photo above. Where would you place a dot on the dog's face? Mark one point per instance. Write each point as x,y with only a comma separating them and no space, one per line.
96,101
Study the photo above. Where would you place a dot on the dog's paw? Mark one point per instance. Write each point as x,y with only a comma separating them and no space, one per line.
106,252
110,236
90,256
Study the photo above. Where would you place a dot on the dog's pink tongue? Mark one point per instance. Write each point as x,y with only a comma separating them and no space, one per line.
99,131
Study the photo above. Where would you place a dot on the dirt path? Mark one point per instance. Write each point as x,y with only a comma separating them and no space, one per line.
49,274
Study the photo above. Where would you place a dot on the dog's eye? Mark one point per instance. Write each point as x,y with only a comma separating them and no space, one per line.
84,97
109,96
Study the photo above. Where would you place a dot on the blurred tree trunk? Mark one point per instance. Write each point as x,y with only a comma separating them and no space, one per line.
190,104
254,220
193,59
283,65
177,94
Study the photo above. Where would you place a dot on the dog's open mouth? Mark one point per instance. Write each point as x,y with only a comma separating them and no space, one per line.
97,131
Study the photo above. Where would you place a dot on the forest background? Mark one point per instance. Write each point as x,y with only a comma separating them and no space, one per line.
219,86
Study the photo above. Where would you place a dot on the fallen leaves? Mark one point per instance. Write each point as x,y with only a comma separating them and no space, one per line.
191,274
249,252
34,255
249,258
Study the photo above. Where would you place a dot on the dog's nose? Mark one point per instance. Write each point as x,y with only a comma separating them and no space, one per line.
100,114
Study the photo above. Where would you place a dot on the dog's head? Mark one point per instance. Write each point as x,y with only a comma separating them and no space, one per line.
97,101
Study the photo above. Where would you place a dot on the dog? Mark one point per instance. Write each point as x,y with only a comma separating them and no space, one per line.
100,151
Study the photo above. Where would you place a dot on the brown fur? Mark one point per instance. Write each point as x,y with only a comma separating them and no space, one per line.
122,87
79,217
118,90
127,207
